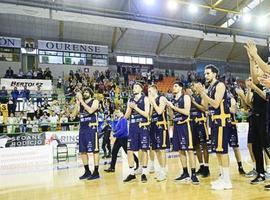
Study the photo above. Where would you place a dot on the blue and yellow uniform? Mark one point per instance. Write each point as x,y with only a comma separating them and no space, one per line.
159,137
219,119
198,122
139,126
88,135
182,134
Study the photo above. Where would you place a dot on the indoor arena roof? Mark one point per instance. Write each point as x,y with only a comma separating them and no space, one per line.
209,29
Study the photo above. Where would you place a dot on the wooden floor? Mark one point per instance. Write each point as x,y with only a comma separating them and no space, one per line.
52,183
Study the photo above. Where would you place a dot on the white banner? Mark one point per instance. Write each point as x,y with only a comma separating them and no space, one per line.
100,62
10,42
72,47
64,137
19,157
32,84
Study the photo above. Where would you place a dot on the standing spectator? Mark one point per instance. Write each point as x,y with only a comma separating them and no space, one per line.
29,125
38,113
1,122
3,95
30,109
11,123
59,82
39,96
106,132
11,106
15,95
44,122
64,122
22,122
25,95
34,123
9,73
53,121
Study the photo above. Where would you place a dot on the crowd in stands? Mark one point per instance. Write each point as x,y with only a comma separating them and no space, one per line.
31,74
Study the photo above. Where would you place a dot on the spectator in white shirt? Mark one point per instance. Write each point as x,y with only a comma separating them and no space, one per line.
11,123
53,121
34,123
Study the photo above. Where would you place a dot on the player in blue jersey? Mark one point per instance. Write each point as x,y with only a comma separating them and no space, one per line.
159,136
88,135
182,133
139,125
219,115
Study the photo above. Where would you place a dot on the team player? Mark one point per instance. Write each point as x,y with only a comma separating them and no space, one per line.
200,131
219,113
139,138
233,136
159,129
88,136
182,135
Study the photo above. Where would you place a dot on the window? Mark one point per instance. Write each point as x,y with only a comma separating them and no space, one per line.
149,61
120,59
142,60
10,54
135,60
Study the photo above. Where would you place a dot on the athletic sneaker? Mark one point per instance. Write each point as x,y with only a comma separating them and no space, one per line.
138,171
143,178
183,178
220,179
267,187
195,180
241,171
200,171
129,178
86,175
151,169
94,176
258,180
251,173
161,176
206,172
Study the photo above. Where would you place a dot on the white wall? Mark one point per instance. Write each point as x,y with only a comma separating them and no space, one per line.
60,70
4,65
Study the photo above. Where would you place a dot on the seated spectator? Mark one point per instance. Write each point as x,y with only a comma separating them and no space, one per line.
53,121
3,95
9,73
20,74
40,74
29,74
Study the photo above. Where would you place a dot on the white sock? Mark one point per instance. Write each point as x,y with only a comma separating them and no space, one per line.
268,168
254,165
132,171
226,175
163,170
144,170
201,164
206,164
